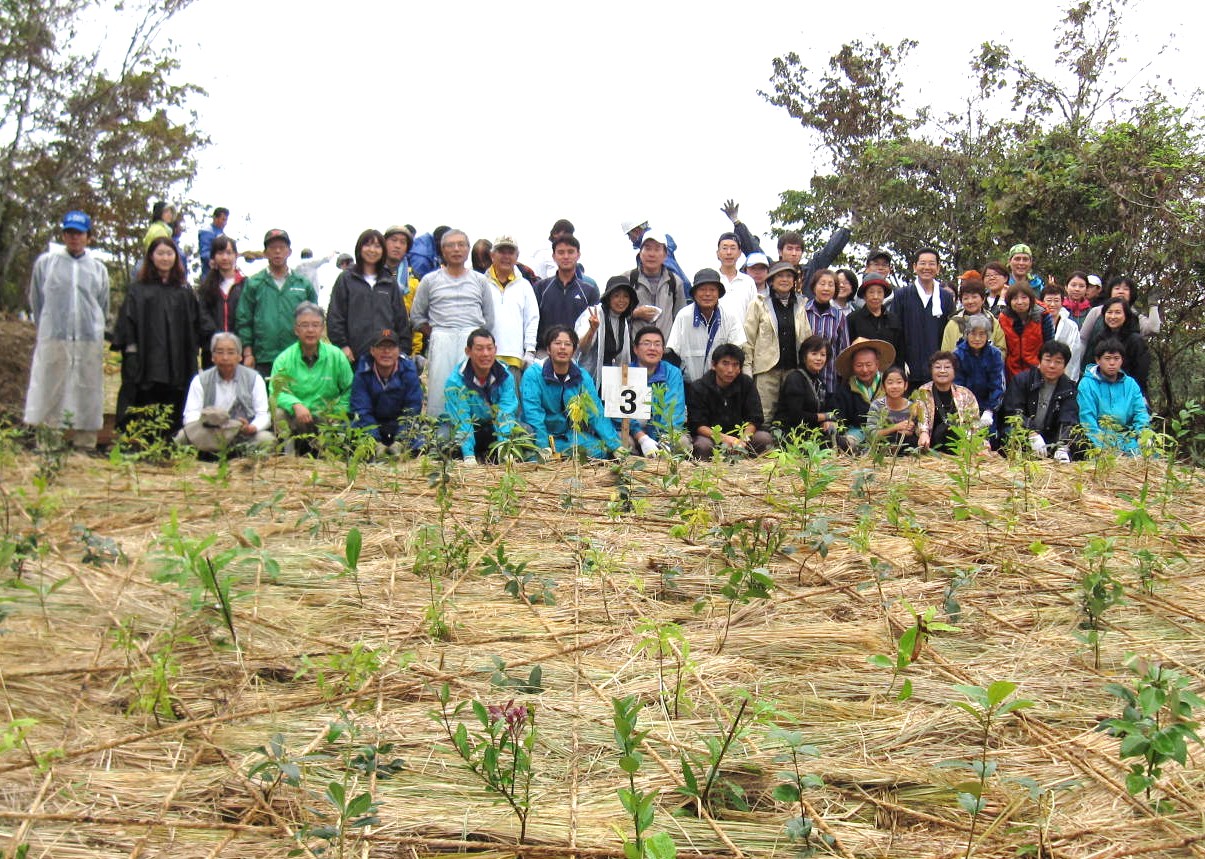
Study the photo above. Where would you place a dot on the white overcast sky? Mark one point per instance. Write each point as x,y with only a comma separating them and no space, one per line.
328,118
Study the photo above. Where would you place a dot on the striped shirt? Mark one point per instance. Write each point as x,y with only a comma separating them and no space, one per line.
830,324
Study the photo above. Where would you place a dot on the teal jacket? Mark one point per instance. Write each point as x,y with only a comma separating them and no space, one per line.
323,388
1112,413
545,399
468,405
265,313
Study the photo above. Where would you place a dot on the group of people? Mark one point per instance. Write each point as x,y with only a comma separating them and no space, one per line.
490,349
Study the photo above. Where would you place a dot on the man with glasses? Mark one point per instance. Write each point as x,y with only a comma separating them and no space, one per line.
667,427
451,302
311,380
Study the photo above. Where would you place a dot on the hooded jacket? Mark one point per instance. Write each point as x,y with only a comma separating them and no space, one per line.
546,398
668,404
1024,337
1120,402
469,405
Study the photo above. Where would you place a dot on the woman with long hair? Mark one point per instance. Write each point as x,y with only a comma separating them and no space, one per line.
1117,319
158,334
365,301
219,293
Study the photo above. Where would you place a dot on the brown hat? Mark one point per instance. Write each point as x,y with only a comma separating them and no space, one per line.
387,335
872,279
882,348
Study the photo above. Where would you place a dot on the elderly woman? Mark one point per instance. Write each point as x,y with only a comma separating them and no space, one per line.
227,405
981,367
775,327
944,405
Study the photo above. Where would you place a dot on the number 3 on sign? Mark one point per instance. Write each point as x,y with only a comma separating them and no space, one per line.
630,400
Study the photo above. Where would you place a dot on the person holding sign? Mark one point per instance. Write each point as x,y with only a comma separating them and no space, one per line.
726,398
561,404
667,396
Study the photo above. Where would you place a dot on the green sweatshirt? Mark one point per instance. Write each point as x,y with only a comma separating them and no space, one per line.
265,313
323,388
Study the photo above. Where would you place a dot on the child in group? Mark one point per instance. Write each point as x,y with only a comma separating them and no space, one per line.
891,415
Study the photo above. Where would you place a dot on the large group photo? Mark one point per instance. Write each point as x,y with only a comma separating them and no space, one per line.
404,483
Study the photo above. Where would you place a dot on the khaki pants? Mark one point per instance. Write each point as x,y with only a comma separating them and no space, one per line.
769,384
217,439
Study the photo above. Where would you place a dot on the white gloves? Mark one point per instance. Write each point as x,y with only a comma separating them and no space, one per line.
648,447
1037,444
985,419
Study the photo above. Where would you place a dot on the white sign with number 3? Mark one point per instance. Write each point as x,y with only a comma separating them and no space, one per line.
633,400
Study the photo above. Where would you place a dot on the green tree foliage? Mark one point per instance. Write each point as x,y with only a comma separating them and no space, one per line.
79,132
1090,175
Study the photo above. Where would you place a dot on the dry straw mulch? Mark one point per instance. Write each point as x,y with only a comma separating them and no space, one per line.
114,781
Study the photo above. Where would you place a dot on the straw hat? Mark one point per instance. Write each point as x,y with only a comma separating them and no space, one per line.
882,348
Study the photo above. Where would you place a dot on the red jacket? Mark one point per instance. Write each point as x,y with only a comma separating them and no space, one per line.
1024,339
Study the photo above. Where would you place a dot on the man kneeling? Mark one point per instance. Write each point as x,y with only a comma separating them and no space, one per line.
227,405
479,399
386,395
727,398
1044,398
311,381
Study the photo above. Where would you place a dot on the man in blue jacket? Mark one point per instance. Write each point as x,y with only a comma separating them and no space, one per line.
479,398
667,428
206,235
385,392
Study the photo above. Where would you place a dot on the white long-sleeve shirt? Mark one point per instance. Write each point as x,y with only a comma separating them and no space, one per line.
223,398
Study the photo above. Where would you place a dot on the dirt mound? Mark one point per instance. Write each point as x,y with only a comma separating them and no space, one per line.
16,349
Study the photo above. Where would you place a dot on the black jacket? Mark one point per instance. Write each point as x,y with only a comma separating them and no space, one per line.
886,327
802,397
851,407
731,408
358,313
1021,398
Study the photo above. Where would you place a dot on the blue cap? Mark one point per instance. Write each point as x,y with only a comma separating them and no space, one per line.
78,221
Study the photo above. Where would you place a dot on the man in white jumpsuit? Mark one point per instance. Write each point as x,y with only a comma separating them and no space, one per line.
451,302
69,297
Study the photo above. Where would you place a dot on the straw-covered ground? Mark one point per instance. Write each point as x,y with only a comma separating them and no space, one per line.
135,724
